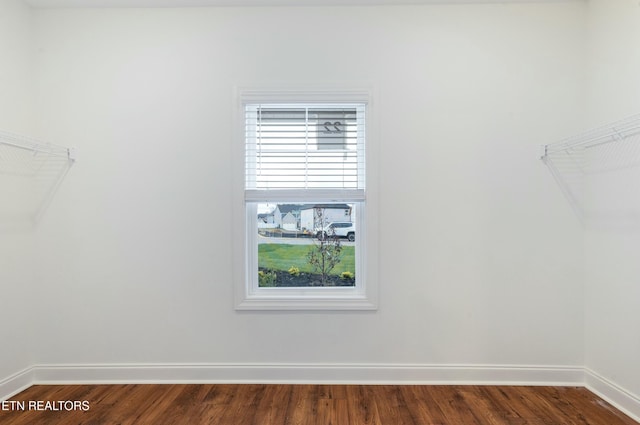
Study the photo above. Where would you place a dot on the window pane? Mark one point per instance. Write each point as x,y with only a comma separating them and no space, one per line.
306,245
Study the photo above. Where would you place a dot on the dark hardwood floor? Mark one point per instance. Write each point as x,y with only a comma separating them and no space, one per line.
307,405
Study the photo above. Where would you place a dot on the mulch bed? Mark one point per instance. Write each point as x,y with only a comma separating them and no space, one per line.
285,279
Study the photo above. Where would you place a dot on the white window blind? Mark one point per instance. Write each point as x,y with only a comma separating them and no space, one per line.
310,150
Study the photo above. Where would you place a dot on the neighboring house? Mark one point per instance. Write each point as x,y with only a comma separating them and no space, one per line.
282,211
289,222
266,221
310,215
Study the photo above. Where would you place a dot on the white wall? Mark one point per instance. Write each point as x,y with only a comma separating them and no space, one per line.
135,269
16,242
612,237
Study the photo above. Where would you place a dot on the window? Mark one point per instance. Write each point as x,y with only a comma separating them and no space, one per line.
305,203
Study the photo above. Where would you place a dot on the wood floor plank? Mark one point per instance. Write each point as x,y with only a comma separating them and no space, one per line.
426,410
261,404
514,411
452,405
301,406
362,409
271,409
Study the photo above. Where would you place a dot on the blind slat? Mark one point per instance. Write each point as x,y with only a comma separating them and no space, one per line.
303,195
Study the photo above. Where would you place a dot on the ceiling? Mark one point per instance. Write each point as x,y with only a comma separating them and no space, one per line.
205,3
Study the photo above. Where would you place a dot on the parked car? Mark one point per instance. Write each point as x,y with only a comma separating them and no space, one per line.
341,229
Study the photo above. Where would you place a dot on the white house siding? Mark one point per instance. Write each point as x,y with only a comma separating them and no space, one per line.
330,214
289,222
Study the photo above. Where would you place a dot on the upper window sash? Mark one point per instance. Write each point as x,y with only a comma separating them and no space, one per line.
305,147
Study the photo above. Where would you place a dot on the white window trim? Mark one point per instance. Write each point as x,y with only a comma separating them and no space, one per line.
364,296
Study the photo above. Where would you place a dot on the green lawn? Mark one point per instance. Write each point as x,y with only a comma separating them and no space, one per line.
283,256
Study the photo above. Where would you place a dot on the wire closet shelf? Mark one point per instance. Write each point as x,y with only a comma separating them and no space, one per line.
31,171
577,159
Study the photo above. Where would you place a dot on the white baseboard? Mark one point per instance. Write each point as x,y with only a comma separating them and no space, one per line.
309,373
617,396
16,383
372,374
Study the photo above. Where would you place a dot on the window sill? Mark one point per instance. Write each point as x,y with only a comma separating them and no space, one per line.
313,299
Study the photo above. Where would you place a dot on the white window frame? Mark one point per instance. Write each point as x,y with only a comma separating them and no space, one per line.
248,296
